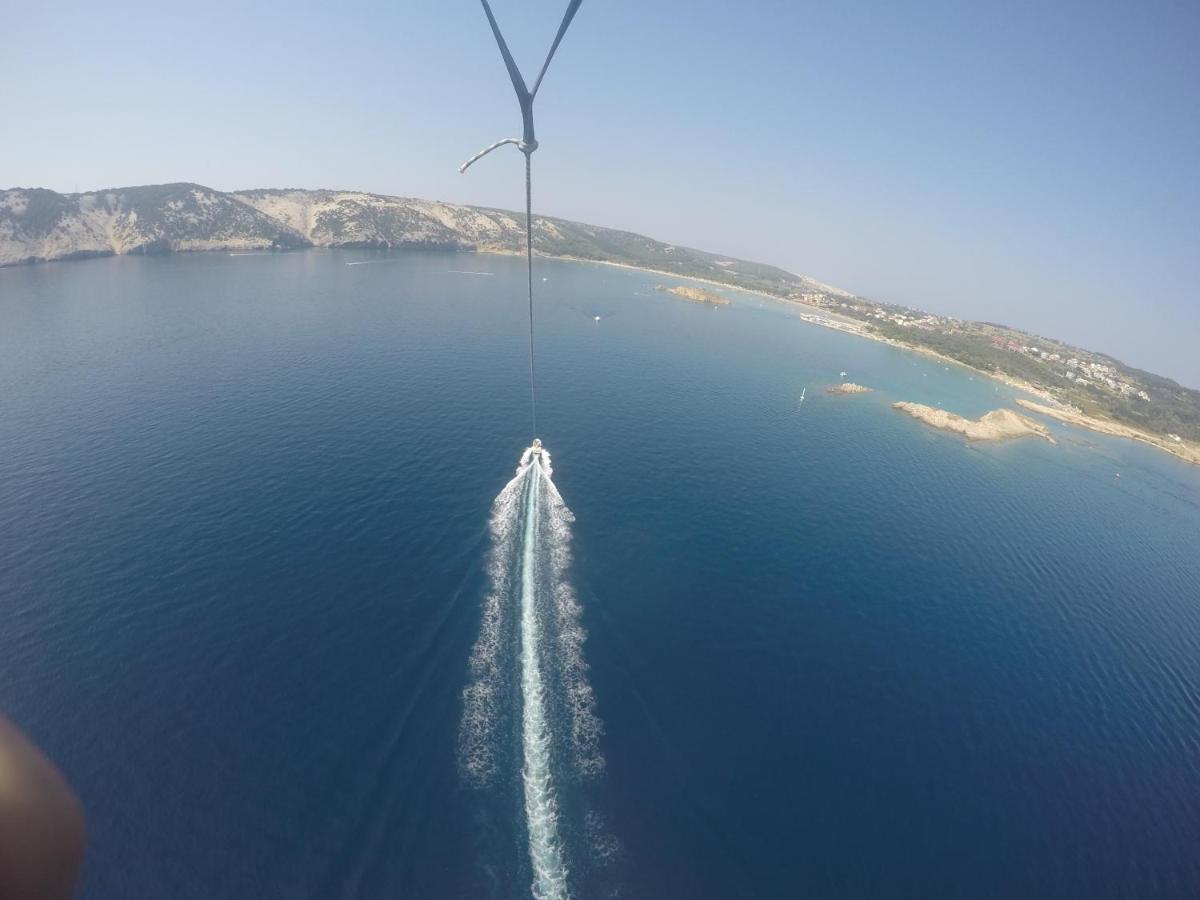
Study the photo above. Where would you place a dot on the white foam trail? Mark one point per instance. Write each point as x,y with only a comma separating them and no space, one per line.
570,636
541,814
529,662
481,698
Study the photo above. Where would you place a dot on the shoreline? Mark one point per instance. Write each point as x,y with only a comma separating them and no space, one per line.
664,272
1184,451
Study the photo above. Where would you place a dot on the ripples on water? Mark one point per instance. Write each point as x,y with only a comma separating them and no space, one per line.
244,510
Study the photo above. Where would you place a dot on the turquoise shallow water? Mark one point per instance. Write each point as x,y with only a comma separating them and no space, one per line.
244,507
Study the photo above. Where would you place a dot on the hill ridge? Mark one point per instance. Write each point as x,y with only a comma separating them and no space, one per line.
40,225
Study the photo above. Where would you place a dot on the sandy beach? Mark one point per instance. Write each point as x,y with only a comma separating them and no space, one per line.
1183,449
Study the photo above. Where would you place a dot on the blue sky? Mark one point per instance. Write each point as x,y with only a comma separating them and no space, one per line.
1034,164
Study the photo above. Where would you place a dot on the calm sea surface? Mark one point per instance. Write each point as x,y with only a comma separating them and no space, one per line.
244,507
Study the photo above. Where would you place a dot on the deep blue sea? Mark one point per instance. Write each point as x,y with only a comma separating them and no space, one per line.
245,549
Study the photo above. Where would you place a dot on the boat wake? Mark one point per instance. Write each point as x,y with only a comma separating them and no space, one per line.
528,706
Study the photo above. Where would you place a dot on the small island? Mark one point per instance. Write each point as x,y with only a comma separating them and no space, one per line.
998,425
848,388
695,294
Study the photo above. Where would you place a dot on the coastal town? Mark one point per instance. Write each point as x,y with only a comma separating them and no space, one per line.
1076,385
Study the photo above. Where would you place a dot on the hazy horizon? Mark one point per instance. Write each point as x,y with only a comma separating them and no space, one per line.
1027,166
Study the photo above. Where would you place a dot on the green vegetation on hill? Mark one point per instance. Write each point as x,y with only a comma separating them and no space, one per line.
626,248
1130,396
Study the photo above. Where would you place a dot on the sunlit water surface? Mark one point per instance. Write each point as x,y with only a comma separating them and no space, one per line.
246,513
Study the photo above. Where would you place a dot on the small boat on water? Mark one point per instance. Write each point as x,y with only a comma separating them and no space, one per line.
802,392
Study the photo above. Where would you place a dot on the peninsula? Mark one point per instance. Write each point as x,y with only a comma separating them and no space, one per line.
1171,443
998,425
